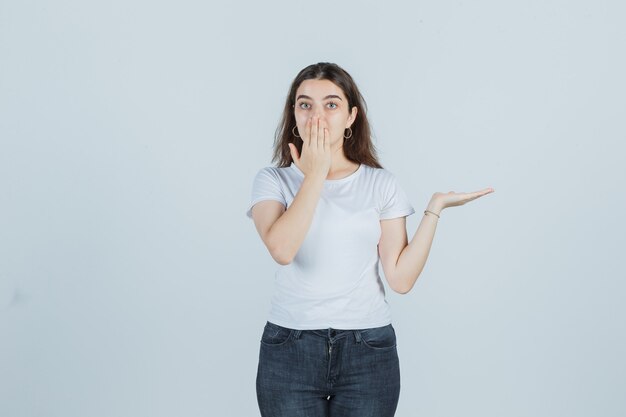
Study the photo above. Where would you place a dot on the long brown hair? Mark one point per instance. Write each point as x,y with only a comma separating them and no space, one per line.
359,148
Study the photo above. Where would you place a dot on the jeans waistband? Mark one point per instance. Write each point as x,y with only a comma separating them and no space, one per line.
332,334
329,333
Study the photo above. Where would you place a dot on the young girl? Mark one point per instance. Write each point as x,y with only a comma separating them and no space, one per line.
329,213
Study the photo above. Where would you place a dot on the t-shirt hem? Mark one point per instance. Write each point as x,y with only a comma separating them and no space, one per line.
257,200
397,213
336,326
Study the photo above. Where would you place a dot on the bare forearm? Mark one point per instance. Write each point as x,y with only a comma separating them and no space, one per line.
413,257
289,231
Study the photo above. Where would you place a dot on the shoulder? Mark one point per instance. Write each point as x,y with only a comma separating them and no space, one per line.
269,170
277,173
380,176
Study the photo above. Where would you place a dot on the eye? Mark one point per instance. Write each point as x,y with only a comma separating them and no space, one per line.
331,103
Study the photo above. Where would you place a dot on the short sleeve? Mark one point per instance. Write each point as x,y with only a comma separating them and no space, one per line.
395,201
266,186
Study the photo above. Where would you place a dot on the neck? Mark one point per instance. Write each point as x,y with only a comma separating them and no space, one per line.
341,166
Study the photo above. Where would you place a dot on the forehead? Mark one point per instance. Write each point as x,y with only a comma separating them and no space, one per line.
318,89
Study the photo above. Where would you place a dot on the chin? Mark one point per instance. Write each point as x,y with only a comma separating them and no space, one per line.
335,140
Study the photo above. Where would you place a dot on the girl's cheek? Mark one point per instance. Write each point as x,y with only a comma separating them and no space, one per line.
301,120
304,115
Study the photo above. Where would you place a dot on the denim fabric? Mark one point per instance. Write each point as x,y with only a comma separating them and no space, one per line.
328,372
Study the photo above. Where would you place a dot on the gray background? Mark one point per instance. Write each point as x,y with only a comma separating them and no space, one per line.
132,284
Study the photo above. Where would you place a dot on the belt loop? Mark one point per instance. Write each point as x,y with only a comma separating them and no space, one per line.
296,333
357,336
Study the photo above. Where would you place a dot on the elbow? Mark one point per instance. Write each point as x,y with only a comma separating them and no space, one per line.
280,256
281,261
401,291
403,288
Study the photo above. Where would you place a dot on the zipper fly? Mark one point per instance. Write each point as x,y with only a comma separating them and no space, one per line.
330,363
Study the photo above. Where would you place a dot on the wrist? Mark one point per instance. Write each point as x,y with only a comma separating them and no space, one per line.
434,207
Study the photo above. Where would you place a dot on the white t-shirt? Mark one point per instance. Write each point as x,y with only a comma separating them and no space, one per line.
333,280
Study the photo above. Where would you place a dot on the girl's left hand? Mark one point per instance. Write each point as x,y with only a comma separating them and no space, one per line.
451,199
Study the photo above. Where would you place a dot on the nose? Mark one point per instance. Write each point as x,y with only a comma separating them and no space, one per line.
320,116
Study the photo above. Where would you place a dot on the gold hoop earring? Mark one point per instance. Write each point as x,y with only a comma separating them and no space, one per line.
348,137
294,133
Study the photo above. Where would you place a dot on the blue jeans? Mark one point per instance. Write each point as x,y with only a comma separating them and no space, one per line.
328,372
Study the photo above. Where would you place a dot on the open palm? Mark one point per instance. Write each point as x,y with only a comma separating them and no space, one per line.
452,199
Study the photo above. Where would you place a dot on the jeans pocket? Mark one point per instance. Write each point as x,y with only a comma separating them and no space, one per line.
379,338
275,335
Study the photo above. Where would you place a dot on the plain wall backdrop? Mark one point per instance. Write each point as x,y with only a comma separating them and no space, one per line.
132,283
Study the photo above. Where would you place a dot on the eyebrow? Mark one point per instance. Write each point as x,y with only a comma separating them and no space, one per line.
325,98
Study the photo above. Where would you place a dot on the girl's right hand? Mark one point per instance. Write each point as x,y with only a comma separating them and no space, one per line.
316,157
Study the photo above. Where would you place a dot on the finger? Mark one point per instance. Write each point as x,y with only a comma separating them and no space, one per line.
309,123
481,192
320,134
315,122
485,191
475,195
326,140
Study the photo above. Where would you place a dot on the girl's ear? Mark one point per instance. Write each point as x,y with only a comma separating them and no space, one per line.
353,115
